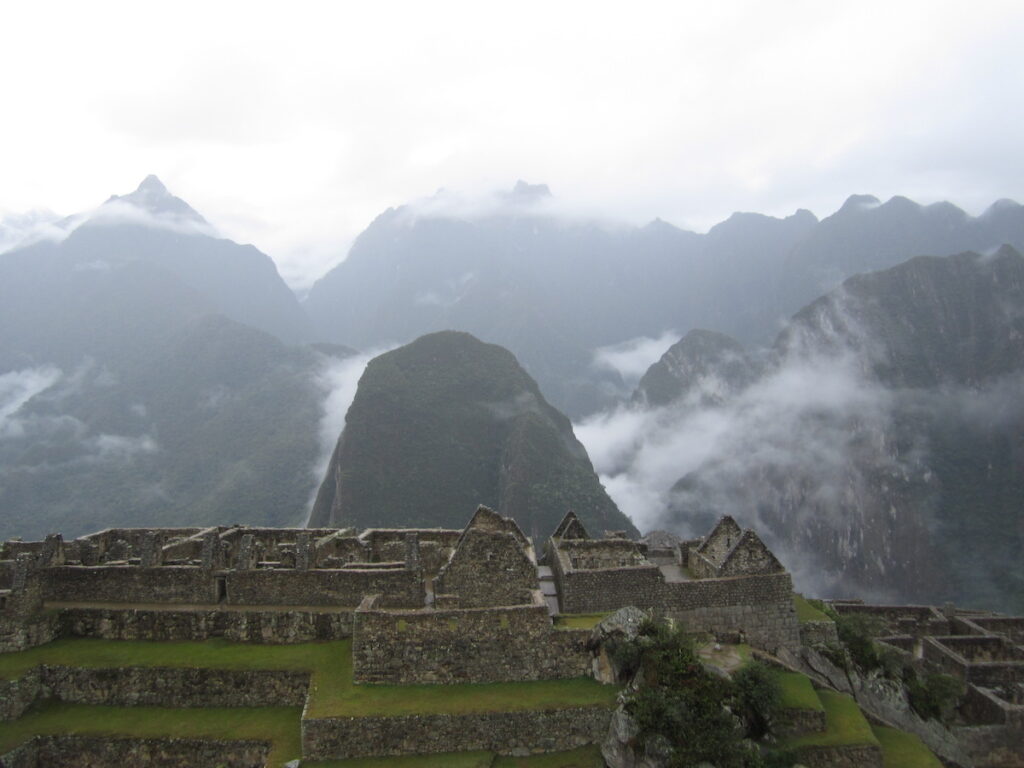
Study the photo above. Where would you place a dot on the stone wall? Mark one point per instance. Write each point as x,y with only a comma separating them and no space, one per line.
196,585
248,626
128,584
992,746
341,587
852,756
465,645
818,633
17,633
607,589
488,568
502,732
761,607
153,686
111,752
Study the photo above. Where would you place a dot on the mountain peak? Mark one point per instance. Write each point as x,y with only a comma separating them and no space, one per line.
151,185
153,197
859,203
530,192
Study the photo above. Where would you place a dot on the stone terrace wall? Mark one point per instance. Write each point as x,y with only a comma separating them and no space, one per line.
759,606
194,585
946,653
505,733
153,686
342,587
18,633
109,752
248,626
128,584
607,589
465,645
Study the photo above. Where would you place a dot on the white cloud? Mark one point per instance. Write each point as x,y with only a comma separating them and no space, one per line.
292,129
338,379
16,389
632,358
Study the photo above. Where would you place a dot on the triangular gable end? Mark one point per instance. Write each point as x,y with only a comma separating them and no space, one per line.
486,519
570,528
723,536
751,556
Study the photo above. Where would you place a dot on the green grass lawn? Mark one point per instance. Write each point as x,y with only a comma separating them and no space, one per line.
579,620
445,760
278,725
584,757
797,691
807,612
844,724
334,694
330,665
904,750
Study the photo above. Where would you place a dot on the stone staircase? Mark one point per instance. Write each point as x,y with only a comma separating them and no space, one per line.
548,588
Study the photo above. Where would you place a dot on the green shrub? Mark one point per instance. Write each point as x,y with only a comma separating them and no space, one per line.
758,697
856,632
934,696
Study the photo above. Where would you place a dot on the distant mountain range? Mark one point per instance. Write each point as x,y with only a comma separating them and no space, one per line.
552,289
152,372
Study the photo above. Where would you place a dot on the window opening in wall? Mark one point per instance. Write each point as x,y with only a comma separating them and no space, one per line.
453,623
3,603
222,589
504,622
402,624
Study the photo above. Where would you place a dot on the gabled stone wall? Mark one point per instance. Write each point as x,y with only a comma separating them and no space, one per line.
488,568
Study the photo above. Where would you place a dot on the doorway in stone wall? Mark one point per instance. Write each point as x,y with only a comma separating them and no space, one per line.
222,589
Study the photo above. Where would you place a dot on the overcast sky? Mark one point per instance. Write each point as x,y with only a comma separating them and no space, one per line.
292,126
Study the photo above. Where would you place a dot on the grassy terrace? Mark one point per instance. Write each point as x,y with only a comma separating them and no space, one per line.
844,724
278,725
584,757
333,693
904,750
807,612
579,620
797,691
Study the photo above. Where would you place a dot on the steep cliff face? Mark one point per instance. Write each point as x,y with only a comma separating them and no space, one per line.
893,466
446,423
704,365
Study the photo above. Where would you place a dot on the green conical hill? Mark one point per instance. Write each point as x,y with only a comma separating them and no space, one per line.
446,423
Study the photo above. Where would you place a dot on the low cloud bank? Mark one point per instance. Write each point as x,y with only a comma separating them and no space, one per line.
338,379
631,359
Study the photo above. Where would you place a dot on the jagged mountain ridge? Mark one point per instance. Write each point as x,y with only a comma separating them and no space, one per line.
923,501
448,422
552,289
140,386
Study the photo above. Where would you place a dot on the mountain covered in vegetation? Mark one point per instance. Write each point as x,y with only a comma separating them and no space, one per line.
144,377
881,445
446,423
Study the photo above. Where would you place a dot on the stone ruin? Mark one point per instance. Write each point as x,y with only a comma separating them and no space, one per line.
441,606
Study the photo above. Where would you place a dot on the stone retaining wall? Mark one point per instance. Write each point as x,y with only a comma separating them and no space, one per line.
818,633
153,686
505,733
110,752
479,645
247,626
852,756
18,633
